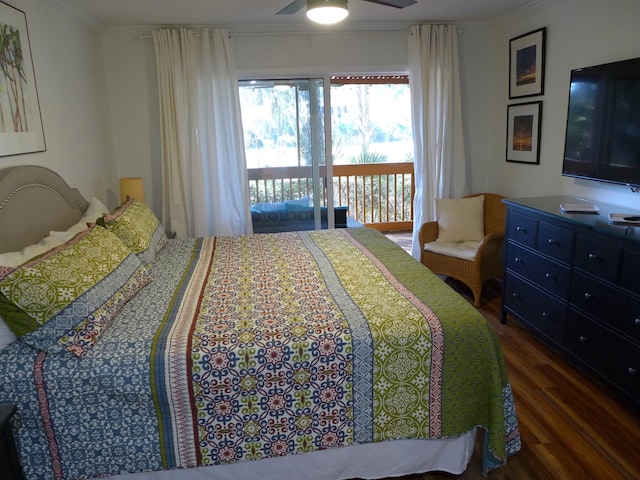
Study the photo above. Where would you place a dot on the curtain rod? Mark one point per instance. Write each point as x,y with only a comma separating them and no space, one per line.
148,36
398,28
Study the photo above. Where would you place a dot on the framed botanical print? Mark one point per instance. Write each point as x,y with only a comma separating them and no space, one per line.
526,64
20,120
523,132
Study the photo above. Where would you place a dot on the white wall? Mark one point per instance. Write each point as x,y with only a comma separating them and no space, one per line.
69,72
320,53
579,33
133,104
477,79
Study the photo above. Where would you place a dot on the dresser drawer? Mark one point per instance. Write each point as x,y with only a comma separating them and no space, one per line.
607,303
597,257
538,309
522,229
630,271
557,242
545,273
615,358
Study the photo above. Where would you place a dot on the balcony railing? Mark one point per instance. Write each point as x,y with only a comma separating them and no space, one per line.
379,195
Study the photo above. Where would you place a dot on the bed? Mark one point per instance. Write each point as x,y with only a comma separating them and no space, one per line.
326,354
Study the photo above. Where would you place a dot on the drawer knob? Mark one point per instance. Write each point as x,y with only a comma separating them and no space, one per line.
548,276
637,322
631,371
593,256
545,314
551,241
521,229
582,339
517,260
515,295
587,296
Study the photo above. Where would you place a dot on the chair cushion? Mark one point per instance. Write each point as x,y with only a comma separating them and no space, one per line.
460,219
463,250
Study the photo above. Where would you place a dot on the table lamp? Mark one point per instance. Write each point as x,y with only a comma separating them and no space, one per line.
132,187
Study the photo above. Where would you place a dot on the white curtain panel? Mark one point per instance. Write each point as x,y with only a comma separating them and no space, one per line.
205,185
439,155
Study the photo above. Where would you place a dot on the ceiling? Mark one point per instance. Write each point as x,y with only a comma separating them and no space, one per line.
260,14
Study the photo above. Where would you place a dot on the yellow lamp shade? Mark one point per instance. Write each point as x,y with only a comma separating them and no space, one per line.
132,187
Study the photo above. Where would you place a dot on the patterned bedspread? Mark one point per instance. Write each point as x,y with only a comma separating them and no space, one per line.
251,347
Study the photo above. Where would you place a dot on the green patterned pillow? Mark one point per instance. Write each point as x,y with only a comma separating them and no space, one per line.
138,228
65,298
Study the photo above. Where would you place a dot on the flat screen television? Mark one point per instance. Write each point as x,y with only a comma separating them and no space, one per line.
603,124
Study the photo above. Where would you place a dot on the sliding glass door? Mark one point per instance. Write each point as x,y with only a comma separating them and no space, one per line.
284,131
341,142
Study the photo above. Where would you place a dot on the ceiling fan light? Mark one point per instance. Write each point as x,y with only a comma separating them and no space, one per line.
327,12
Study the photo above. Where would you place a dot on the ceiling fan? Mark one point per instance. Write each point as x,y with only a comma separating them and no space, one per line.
297,5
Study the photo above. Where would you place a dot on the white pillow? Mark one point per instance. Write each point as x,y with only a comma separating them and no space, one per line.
460,219
14,259
94,211
6,335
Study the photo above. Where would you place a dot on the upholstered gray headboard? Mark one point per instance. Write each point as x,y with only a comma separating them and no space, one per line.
33,201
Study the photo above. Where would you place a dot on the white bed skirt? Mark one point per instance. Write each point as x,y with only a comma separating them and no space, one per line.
367,461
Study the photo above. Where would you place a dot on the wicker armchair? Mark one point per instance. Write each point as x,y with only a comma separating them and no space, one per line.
487,262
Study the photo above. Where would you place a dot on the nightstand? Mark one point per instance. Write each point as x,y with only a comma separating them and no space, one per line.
10,468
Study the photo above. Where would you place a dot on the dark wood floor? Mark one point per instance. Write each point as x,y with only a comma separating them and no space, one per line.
571,427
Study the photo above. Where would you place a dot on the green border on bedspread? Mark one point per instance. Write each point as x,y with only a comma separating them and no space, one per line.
457,316
476,390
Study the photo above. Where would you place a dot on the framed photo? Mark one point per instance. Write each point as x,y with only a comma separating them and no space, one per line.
523,132
526,64
20,120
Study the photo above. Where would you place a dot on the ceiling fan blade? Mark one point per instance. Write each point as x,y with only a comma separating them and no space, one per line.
293,7
394,3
